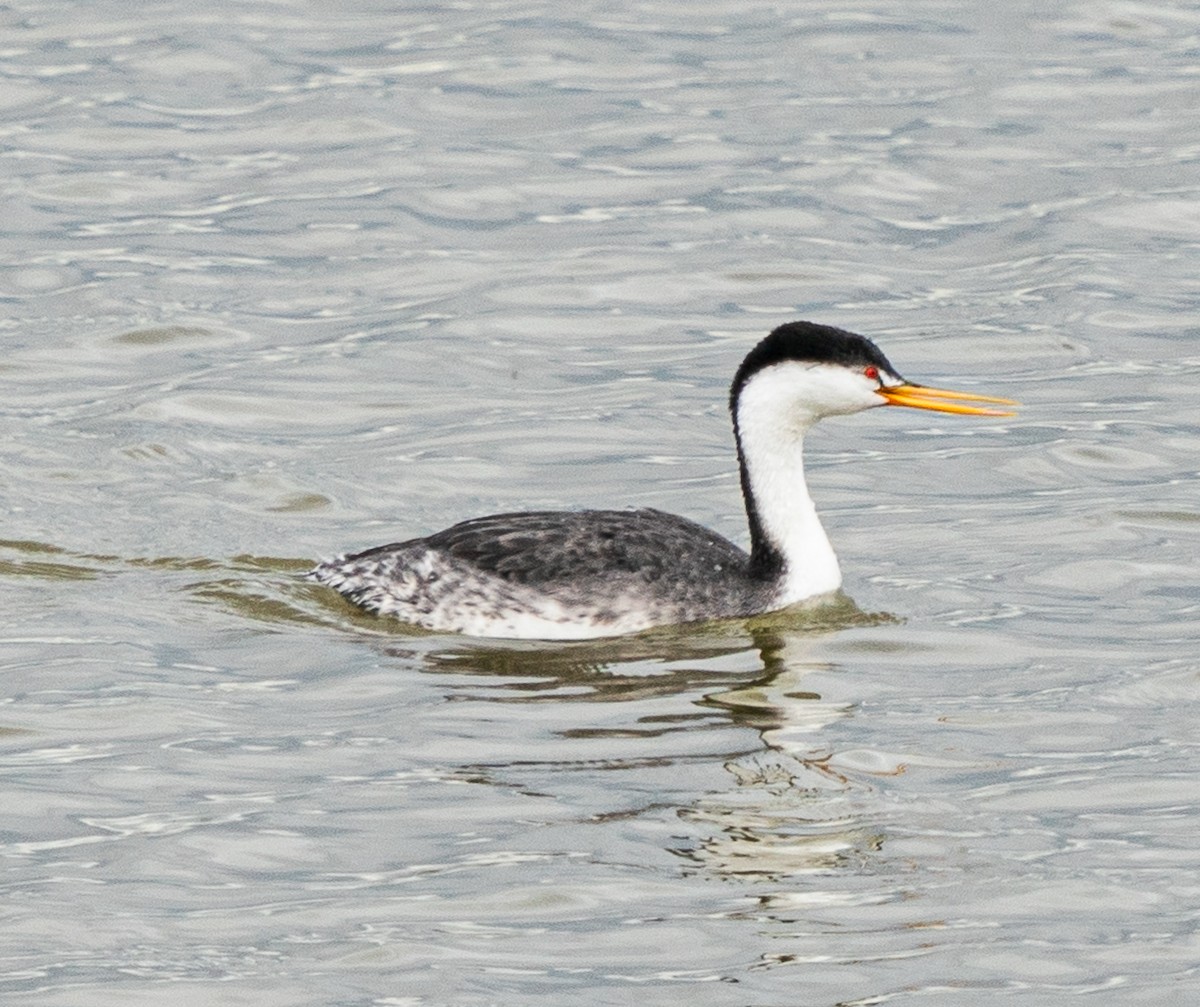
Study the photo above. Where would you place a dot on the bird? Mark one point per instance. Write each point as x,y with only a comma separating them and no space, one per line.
587,574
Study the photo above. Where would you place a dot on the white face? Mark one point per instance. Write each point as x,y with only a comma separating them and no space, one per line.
794,395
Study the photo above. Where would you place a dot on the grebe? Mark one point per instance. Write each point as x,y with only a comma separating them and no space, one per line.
578,575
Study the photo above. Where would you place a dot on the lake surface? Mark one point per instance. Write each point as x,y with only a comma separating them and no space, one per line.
282,280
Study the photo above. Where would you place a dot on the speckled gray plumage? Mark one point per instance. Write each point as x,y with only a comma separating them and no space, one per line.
611,571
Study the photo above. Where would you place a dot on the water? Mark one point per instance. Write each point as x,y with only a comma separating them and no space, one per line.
281,281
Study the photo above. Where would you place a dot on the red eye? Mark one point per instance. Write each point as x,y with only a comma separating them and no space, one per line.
872,372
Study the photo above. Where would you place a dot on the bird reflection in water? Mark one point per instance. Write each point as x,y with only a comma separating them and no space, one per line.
793,806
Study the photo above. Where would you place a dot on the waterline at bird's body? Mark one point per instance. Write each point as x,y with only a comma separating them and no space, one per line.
585,574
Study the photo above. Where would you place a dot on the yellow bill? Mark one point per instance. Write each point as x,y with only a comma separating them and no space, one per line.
941,400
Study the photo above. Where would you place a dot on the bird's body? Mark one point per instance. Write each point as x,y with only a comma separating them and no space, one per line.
584,574
556,575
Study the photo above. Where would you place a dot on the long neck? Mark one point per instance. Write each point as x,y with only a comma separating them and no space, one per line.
787,543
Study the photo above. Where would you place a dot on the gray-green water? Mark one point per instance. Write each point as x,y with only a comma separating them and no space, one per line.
281,280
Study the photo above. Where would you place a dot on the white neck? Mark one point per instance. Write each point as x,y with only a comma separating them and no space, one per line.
770,428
